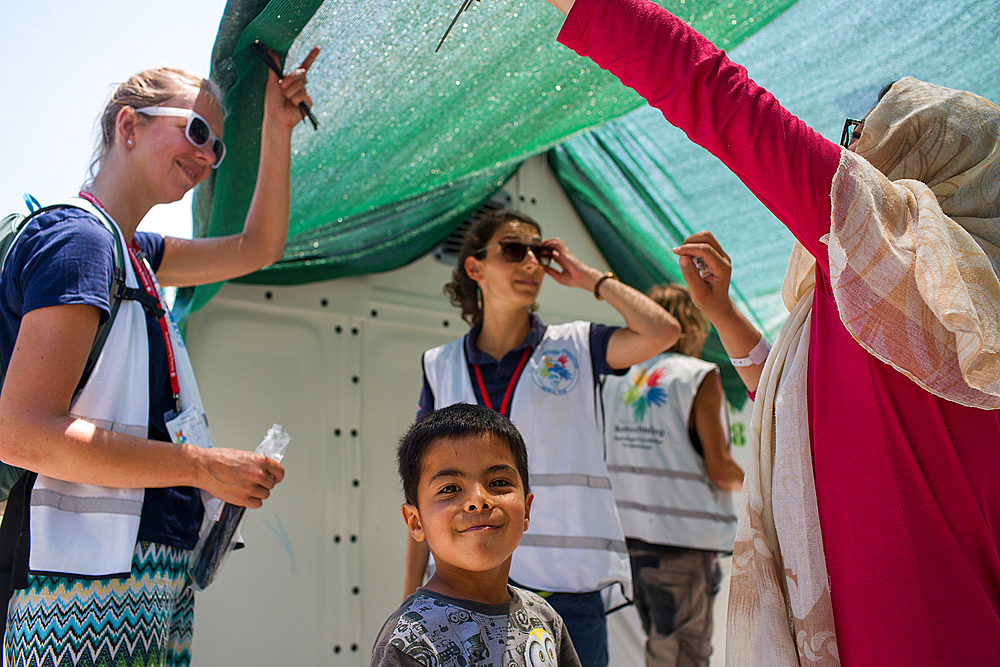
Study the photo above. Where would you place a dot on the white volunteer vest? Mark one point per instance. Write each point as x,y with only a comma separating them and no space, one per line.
574,543
91,531
664,495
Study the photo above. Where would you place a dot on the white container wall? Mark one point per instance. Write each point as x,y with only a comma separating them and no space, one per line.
338,365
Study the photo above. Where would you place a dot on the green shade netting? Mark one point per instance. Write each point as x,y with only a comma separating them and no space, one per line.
641,186
410,142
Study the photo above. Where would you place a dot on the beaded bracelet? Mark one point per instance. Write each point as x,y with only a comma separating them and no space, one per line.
597,285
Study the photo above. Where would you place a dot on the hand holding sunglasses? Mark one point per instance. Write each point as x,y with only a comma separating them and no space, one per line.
573,273
707,273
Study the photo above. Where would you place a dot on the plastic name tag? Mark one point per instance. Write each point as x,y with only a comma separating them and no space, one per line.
189,427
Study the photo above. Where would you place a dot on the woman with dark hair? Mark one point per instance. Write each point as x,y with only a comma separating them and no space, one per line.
118,450
868,532
544,378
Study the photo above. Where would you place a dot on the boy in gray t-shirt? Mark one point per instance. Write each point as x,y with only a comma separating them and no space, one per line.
465,477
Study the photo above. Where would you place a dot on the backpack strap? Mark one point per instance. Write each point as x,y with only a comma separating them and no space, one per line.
14,529
15,542
119,290
117,285
149,303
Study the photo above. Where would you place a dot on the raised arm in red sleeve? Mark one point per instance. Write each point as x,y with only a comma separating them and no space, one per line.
786,164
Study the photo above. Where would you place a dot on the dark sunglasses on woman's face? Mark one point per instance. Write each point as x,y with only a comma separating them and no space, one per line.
515,251
852,131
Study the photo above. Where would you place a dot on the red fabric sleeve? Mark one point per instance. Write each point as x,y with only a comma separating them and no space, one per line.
786,164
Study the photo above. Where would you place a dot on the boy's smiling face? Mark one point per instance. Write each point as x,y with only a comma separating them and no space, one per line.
471,508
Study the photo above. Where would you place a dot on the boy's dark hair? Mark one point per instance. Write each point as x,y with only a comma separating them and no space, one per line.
456,421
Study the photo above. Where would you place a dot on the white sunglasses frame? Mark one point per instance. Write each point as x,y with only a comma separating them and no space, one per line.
179,112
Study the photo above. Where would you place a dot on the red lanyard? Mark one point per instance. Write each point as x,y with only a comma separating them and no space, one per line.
150,286
510,385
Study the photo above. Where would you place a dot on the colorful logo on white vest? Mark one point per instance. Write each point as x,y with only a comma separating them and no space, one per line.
645,392
557,372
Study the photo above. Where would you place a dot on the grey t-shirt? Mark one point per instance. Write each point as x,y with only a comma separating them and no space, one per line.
434,629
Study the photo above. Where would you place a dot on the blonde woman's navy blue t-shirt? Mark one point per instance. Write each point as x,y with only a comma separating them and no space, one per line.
65,257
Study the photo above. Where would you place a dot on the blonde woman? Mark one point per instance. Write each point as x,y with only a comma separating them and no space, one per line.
666,433
112,504
868,531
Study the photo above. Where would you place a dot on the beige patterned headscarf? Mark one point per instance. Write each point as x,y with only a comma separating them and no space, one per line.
914,261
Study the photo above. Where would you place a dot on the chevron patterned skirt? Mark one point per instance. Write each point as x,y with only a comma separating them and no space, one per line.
144,621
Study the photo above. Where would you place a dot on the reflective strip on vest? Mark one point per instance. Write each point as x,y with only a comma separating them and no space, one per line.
571,480
662,491
566,542
656,472
675,511
80,505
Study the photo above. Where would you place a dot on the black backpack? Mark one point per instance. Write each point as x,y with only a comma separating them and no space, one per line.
16,483
10,230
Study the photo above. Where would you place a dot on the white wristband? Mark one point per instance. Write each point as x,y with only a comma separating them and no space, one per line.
757,355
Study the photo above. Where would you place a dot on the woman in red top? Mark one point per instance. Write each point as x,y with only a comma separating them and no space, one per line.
891,356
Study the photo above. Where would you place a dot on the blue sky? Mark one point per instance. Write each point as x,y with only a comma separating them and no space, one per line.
60,59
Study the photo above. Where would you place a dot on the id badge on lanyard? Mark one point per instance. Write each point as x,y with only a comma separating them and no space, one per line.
189,426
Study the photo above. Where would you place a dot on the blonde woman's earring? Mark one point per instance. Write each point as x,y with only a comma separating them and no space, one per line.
129,143
479,298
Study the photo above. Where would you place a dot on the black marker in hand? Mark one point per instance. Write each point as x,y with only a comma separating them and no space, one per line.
265,55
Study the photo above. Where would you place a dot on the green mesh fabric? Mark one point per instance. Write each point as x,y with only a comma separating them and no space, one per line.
410,141
641,186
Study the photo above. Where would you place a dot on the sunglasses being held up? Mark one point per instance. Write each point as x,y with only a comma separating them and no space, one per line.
516,251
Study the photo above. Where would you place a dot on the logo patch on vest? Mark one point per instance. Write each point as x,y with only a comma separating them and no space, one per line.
645,392
557,372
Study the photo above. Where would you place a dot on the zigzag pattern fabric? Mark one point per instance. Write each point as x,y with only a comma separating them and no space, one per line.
144,621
